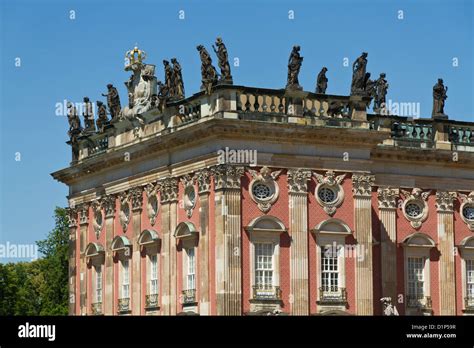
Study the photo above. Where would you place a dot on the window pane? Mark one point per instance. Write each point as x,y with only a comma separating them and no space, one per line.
264,265
329,269
416,277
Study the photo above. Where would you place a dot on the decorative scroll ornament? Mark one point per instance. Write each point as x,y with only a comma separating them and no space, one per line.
467,209
169,190
189,198
152,205
388,197
98,220
263,188
329,192
227,176
203,179
414,207
362,185
72,214
136,195
445,201
124,210
298,180
108,204
84,213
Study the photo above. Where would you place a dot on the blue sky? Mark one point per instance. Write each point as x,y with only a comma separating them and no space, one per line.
63,58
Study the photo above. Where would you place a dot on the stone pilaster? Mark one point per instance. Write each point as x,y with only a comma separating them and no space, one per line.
169,199
203,179
228,239
298,206
83,222
388,198
108,203
136,195
362,192
72,260
447,286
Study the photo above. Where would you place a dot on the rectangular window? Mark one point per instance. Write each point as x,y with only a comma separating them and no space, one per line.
264,265
125,279
329,270
470,279
153,275
98,284
416,278
191,269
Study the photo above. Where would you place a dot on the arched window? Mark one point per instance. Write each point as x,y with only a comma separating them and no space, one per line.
189,237
94,254
121,247
331,253
467,267
417,248
150,243
264,233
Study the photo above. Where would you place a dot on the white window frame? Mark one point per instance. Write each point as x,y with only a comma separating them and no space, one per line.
273,239
265,271
153,274
418,252
467,254
189,268
98,283
125,278
323,241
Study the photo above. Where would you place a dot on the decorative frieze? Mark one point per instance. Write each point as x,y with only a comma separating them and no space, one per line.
388,197
415,208
98,220
83,213
72,214
263,188
298,180
329,192
189,197
362,185
227,177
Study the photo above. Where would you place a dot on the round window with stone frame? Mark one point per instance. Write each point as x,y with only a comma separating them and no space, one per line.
326,194
413,210
262,191
189,197
468,212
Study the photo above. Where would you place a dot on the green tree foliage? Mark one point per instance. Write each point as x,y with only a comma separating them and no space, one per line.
39,287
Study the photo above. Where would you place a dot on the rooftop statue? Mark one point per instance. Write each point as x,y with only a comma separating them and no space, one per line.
113,101
322,81
177,79
381,87
74,120
359,68
294,66
223,59
208,71
88,114
102,120
439,99
141,85
163,95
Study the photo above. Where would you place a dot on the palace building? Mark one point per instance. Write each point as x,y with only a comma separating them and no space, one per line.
316,207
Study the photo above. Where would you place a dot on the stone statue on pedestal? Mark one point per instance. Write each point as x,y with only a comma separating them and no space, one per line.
102,120
359,68
294,66
439,98
113,101
322,81
381,87
388,308
168,76
140,86
88,114
74,120
208,71
223,59
163,95
177,80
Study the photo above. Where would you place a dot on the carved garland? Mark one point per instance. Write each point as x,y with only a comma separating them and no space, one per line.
98,220
189,198
152,205
124,212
